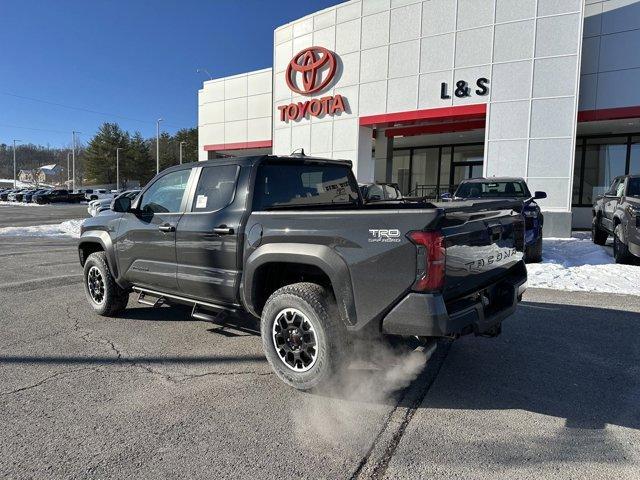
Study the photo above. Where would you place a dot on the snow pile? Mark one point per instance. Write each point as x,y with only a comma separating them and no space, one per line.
70,228
577,264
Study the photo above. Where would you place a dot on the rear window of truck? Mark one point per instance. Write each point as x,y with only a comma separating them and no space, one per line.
286,184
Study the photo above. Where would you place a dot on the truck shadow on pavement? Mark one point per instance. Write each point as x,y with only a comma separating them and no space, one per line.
232,325
577,364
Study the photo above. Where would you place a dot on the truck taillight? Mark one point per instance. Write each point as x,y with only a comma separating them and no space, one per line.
431,260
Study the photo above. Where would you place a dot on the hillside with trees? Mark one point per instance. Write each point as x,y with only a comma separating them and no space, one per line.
96,160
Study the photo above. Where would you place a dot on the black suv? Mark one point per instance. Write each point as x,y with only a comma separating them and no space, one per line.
617,213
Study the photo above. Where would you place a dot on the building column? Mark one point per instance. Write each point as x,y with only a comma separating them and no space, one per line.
365,165
384,153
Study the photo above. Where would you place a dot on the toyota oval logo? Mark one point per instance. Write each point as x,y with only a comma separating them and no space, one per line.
311,70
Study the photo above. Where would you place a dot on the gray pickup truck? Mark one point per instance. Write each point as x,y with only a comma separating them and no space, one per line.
290,240
617,213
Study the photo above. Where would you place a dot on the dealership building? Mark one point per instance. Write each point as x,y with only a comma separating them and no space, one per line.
427,93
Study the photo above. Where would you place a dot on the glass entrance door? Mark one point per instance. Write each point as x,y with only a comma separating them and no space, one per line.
464,171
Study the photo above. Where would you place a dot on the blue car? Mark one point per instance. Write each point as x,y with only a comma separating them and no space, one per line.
516,188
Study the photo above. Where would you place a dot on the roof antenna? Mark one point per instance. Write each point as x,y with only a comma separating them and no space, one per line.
299,152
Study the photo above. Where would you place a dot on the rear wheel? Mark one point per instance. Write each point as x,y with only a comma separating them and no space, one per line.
598,235
105,296
621,252
303,336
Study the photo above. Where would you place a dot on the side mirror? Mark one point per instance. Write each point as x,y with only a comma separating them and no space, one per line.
446,196
121,204
539,195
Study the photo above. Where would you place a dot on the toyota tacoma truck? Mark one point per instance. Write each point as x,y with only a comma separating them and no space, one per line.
617,213
290,240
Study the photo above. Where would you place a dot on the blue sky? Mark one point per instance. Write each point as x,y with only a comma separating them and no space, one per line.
129,58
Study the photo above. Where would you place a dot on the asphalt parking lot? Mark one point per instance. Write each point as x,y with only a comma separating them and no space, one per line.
155,393
18,215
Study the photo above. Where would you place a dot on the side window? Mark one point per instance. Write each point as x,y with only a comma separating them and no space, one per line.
620,189
165,195
215,188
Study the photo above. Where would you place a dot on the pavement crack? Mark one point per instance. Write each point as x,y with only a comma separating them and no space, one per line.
44,380
375,462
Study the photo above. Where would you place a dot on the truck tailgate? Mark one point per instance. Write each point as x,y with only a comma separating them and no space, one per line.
483,241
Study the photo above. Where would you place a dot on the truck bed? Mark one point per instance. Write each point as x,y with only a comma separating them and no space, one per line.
483,241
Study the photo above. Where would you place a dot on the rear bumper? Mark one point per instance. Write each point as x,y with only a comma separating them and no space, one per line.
428,315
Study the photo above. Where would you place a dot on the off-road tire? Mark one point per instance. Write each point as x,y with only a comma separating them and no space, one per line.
115,298
533,253
621,252
319,306
598,235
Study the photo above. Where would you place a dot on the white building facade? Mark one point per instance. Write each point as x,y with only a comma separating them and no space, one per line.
427,93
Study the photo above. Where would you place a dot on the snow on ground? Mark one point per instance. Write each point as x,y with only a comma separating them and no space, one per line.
577,264
70,228
22,204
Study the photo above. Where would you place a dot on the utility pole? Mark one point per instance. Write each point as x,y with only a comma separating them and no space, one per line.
181,144
68,168
73,156
14,163
118,168
158,145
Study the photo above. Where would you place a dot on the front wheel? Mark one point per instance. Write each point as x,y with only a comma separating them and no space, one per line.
533,253
621,252
303,336
105,296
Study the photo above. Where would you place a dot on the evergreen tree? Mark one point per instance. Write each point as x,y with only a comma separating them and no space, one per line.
139,164
100,155
190,149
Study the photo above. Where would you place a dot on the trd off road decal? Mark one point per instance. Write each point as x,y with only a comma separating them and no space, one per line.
384,235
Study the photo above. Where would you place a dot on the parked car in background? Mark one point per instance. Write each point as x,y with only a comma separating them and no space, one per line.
97,206
516,188
4,196
28,197
374,192
16,196
57,196
98,194
617,213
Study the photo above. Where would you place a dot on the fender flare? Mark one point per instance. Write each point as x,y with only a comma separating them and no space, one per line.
319,256
104,240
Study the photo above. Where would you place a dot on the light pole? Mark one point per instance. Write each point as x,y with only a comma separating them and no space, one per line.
158,145
14,163
181,144
68,166
204,70
118,168
73,157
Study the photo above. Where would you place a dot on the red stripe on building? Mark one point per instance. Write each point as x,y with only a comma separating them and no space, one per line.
461,112
239,145
608,114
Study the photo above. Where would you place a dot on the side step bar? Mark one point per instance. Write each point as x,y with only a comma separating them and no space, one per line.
196,312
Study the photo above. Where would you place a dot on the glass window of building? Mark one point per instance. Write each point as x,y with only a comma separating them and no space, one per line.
634,157
400,170
604,159
424,172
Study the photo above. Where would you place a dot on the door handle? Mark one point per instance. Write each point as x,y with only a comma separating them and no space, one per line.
167,228
223,230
